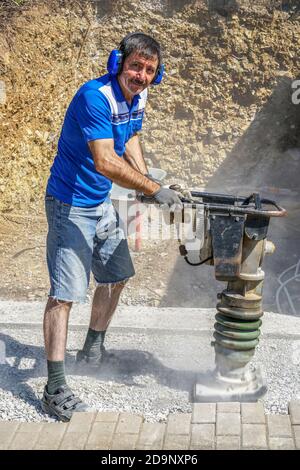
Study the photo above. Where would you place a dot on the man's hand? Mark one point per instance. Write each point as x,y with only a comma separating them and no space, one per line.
166,196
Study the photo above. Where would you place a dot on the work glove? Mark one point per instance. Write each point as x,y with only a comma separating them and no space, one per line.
167,197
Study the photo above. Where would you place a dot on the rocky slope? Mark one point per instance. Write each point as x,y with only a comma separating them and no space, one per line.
221,70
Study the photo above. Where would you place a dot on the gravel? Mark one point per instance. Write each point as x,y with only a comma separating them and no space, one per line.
139,383
281,371
153,376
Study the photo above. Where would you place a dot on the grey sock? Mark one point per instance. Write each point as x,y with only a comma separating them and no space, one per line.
56,375
94,342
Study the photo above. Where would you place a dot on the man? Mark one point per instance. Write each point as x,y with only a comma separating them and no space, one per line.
98,144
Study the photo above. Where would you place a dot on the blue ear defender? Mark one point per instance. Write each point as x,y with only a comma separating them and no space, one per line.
159,75
115,61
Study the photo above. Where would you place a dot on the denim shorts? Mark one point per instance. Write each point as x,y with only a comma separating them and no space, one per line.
81,240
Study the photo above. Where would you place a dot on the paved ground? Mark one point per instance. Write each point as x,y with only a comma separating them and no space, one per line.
209,426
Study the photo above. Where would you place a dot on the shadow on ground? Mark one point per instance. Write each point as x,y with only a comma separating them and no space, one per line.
21,362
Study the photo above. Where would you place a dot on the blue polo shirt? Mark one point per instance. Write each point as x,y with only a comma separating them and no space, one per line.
97,111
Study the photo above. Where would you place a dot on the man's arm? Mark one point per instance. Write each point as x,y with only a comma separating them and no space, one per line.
109,164
134,155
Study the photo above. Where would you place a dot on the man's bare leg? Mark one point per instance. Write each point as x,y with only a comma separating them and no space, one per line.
56,319
105,301
58,399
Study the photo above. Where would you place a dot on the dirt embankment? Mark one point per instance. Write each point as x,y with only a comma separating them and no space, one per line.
220,72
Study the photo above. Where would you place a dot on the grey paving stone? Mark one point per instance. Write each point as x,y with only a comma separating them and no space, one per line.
228,443
129,423
279,426
228,424
81,422
204,413
281,443
5,440
23,441
31,428
101,435
296,430
229,407
202,436
294,410
176,442
9,426
107,417
254,436
50,436
179,423
7,430
151,436
26,436
122,441
73,441
253,413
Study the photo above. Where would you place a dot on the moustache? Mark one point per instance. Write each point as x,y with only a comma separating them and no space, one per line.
138,82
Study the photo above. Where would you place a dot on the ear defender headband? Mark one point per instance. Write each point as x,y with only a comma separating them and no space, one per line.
115,60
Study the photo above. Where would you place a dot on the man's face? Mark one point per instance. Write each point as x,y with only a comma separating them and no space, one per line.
137,74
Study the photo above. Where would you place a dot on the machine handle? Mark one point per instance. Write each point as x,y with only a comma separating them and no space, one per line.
228,208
